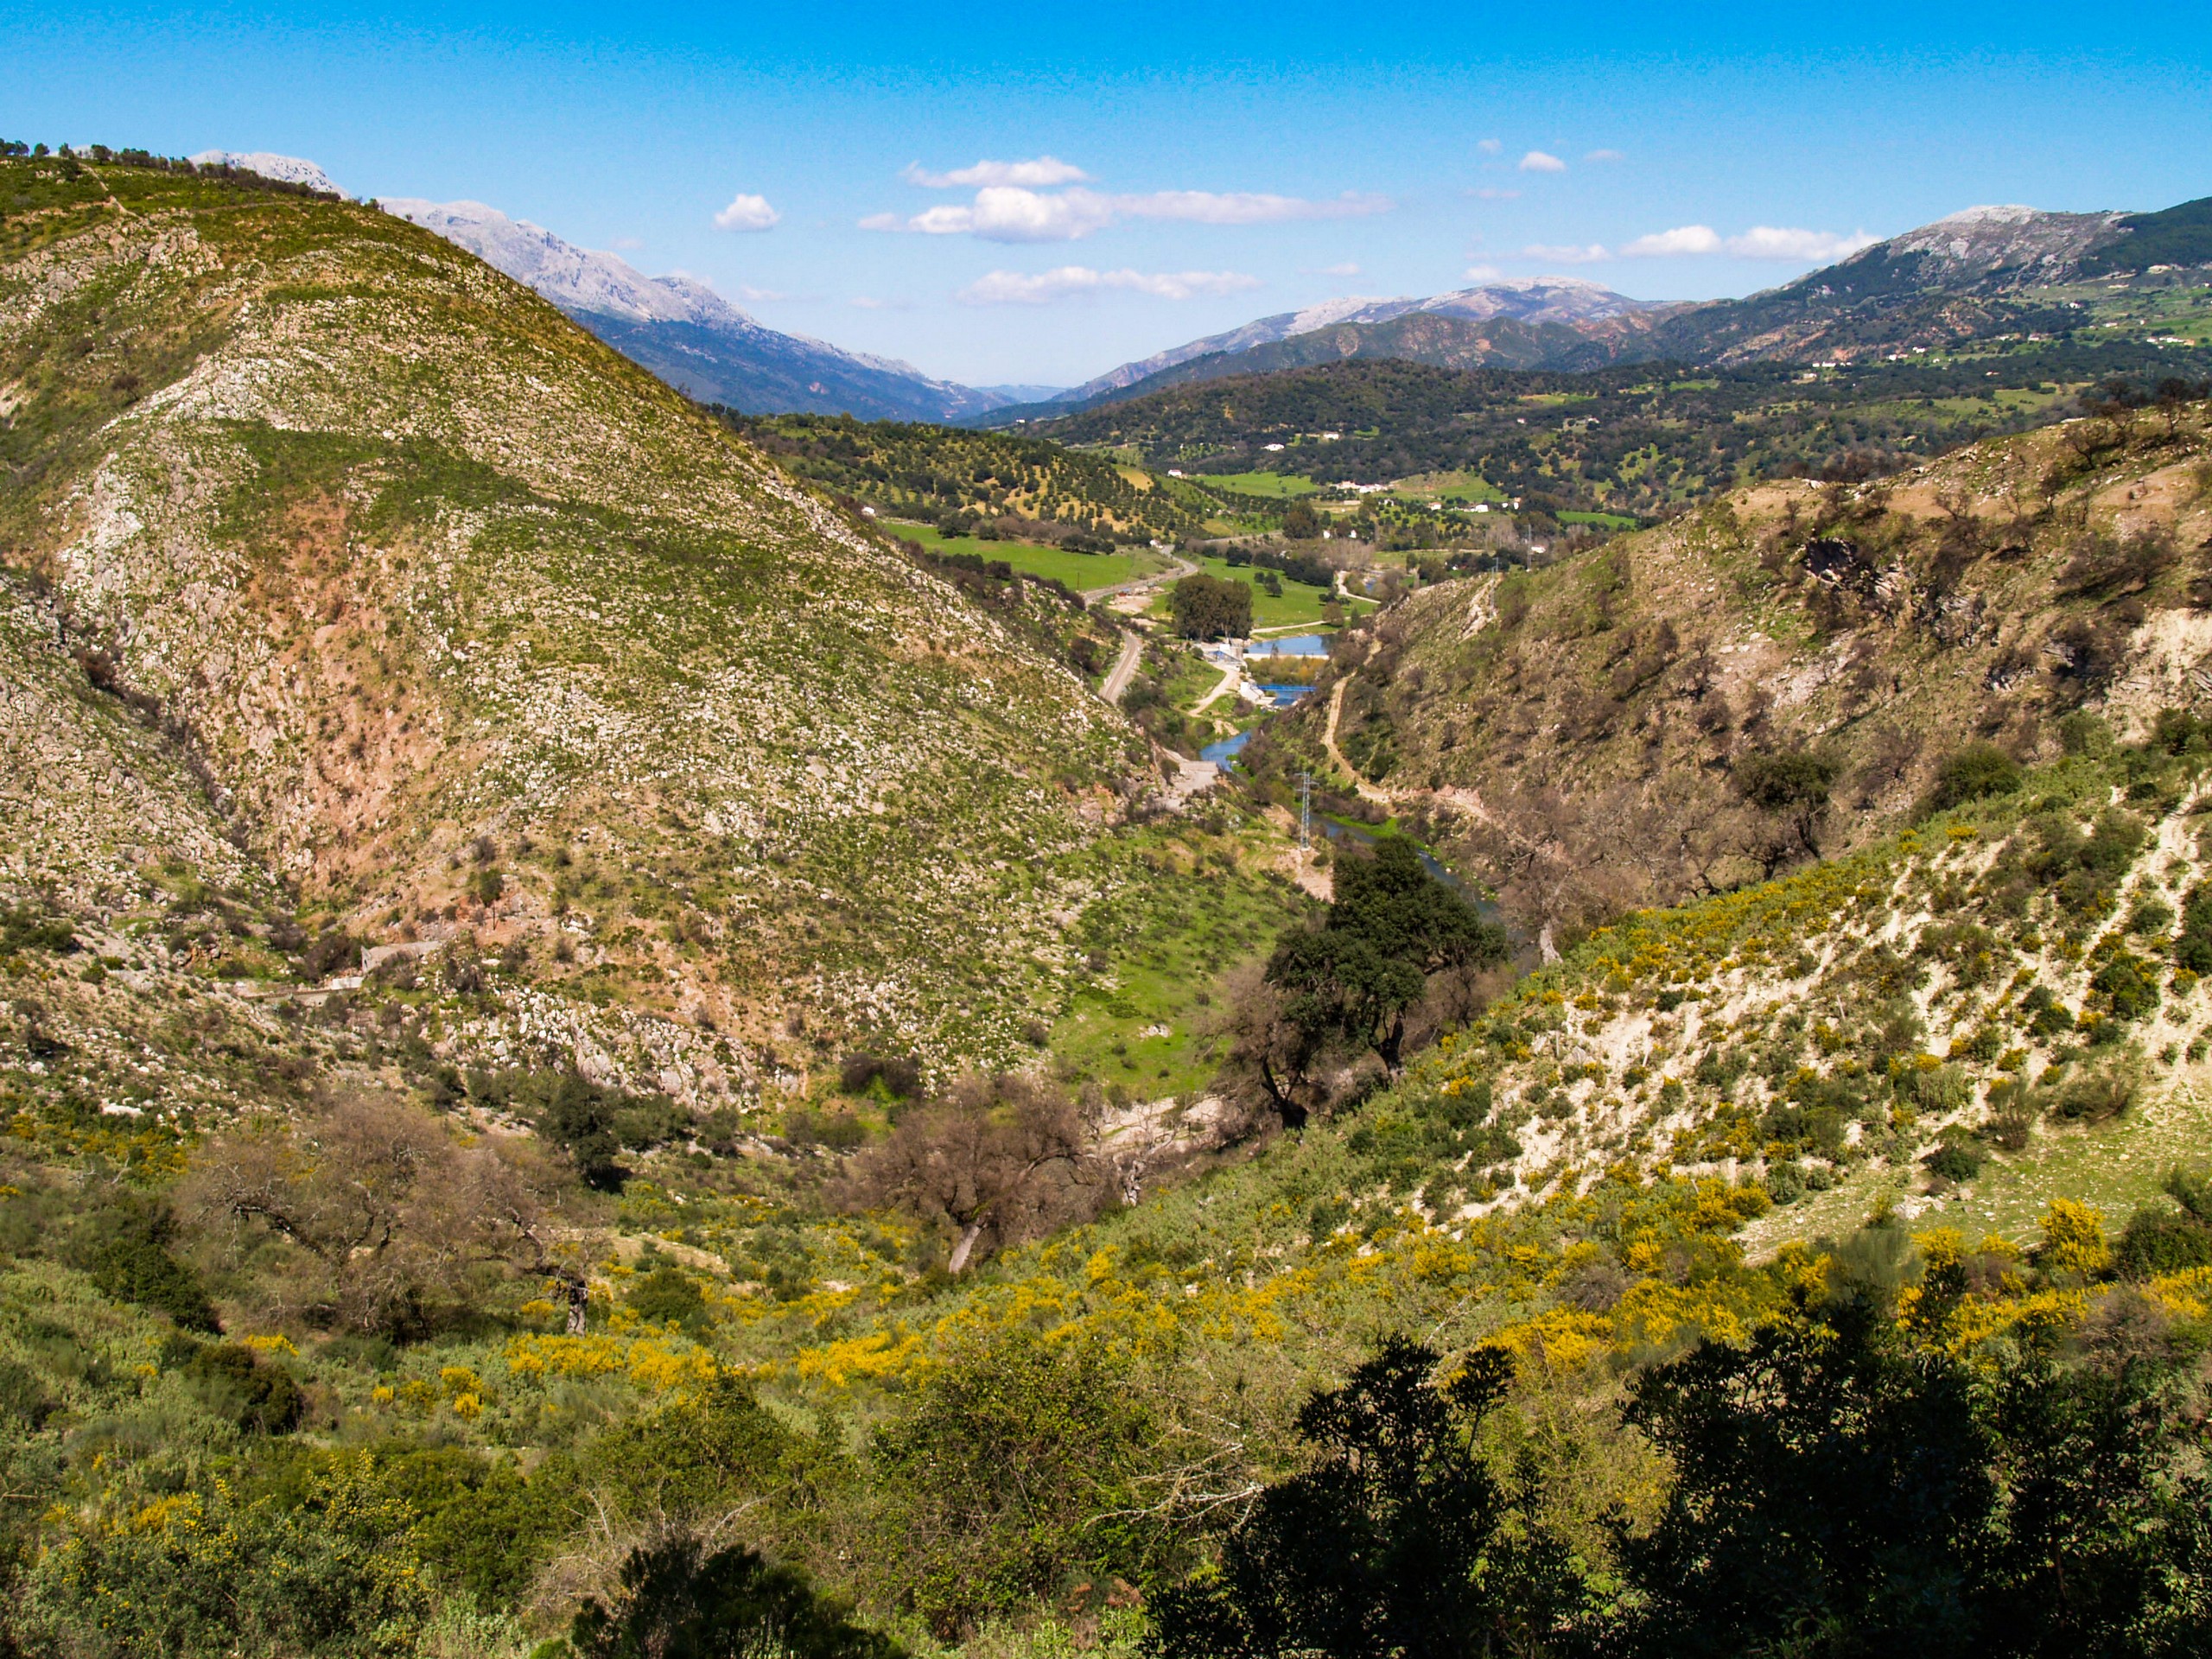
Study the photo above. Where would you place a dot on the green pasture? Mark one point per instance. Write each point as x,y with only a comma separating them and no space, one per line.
1273,486
1078,570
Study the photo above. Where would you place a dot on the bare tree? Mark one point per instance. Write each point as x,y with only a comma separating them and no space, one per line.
387,1210
1003,1159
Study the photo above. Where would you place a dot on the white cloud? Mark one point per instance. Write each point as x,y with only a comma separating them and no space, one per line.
627,244
1020,288
1247,207
1569,256
1812,247
1345,269
1537,162
1605,156
1491,192
1005,212
753,296
1044,169
1760,241
868,302
1490,146
1013,213
748,214
1682,239
1483,273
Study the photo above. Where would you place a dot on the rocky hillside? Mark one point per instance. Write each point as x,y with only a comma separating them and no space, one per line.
1982,273
374,586
1781,674
1994,1007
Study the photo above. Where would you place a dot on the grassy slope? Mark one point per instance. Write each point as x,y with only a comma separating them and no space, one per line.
1572,733
414,560
1081,571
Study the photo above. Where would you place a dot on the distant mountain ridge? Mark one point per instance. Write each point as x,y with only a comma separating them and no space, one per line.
1983,271
292,170
681,329
1566,301
1980,272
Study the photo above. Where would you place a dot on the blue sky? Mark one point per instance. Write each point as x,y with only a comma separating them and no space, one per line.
1233,161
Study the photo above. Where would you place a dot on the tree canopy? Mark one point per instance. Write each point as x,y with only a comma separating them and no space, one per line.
1390,926
1211,607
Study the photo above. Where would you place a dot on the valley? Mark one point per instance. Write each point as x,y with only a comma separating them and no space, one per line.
634,1019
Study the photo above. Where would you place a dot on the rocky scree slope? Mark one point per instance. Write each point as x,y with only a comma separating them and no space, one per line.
121,898
1945,1020
484,641
1782,673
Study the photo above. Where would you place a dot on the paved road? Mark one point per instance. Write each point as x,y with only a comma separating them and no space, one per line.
1118,677
1229,677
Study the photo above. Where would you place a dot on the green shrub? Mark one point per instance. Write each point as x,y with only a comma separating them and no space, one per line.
126,1250
2193,943
668,1294
235,1382
2128,986
1017,1466
208,1573
1954,1160
1976,772
2161,1241
678,1601
2093,1098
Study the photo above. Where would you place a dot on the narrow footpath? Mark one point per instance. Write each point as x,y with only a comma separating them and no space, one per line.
1367,791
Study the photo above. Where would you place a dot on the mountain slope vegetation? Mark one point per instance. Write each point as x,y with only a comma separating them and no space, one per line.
1641,1167
935,472
585,1046
1623,440
1780,673
487,642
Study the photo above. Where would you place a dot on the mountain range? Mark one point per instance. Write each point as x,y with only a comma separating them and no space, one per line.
1984,271
691,337
1567,300
1977,273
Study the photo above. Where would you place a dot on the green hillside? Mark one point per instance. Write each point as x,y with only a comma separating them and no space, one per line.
961,479
488,644
1665,1138
1638,440
598,1059
1777,675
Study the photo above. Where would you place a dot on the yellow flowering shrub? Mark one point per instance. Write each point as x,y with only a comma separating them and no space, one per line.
2074,1239
656,1364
